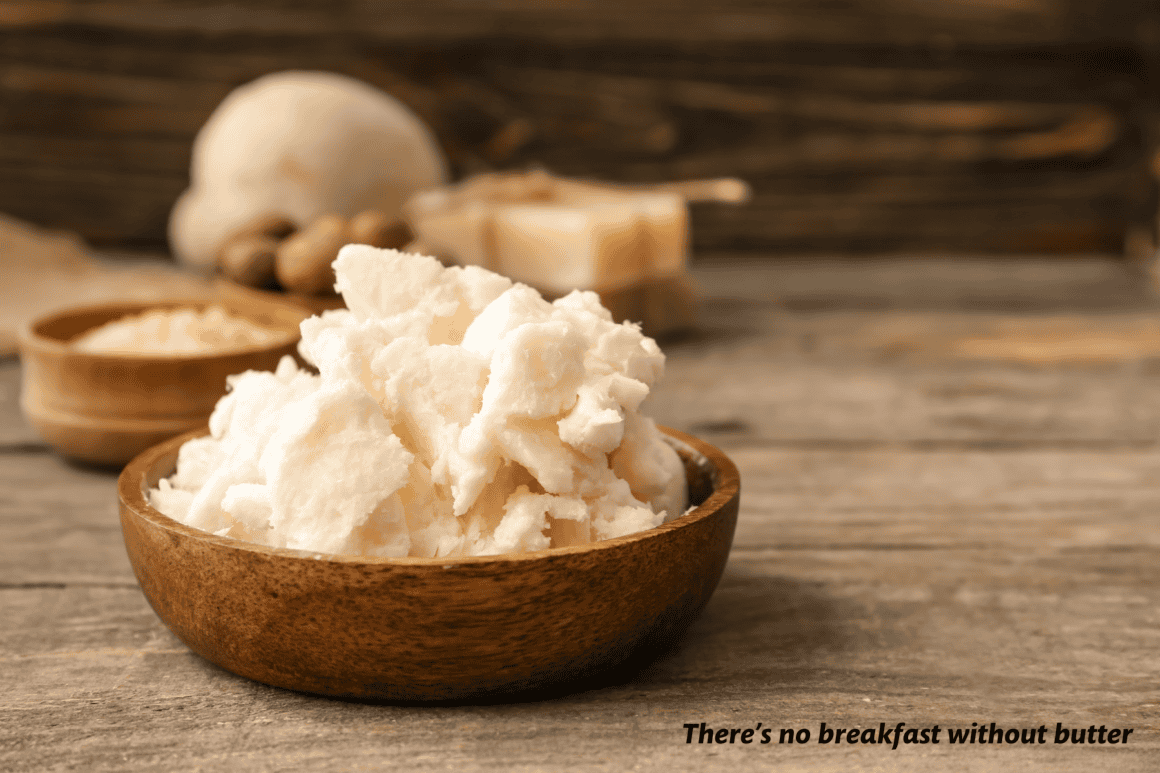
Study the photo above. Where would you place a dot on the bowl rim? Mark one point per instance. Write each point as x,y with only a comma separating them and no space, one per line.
131,492
29,339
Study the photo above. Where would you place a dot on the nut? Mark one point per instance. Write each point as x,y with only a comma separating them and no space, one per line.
302,263
274,226
249,259
377,229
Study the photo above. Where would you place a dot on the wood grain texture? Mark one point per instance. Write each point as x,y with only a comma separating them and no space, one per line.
1012,125
1000,567
900,22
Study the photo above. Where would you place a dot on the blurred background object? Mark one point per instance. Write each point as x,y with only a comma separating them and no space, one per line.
298,146
893,126
43,271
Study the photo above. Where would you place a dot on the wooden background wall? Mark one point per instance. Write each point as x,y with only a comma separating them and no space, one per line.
863,125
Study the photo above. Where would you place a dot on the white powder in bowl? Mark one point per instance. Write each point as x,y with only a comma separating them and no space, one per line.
174,331
455,413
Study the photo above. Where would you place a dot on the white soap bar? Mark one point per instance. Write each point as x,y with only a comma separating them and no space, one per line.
454,413
661,220
553,233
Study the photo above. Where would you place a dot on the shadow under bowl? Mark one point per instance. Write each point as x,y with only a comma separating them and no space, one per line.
430,629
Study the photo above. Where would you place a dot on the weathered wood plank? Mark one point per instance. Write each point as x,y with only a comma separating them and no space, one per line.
15,434
987,504
107,97
787,21
939,626
967,282
925,538
806,368
61,524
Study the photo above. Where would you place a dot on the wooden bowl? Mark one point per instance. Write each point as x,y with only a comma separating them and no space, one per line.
428,629
107,408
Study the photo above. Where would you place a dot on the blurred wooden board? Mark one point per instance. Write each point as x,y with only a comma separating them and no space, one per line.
1014,125
925,538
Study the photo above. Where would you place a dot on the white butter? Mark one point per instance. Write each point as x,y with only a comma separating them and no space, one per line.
454,414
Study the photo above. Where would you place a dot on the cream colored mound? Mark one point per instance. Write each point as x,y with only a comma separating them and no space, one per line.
454,414
174,331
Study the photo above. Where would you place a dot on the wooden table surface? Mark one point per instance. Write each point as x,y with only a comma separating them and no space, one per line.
950,515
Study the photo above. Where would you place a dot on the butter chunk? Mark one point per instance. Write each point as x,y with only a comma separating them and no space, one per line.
527,516
621,520
536,371
342,346
434,531
389,283
596,424
522,528
454,413
249,413
333,466
250,505
241,425
171,500
651,467
518,306
429,393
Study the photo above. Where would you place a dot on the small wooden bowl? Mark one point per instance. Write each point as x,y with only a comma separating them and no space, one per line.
107,408
428,629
